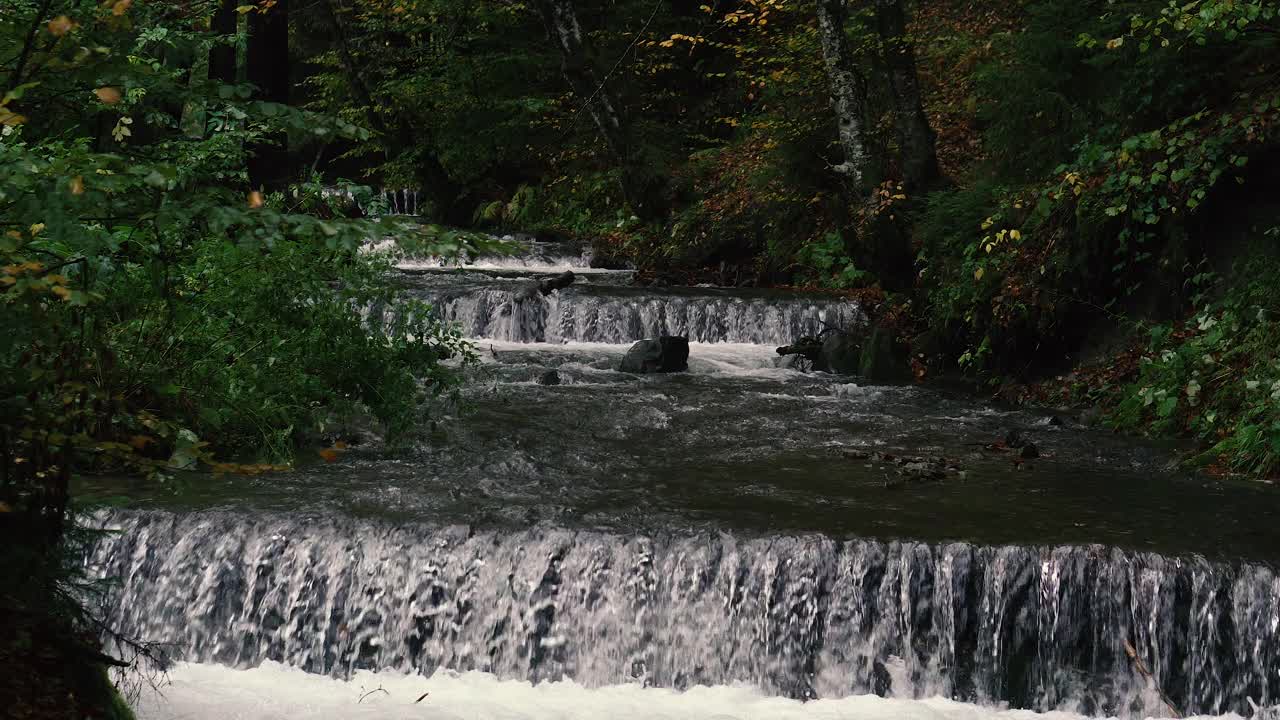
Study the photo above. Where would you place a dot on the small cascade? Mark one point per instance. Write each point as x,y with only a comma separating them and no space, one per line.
397,202
801,616
616,315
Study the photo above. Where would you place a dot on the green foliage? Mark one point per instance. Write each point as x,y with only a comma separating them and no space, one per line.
1217,377
828,263
155,314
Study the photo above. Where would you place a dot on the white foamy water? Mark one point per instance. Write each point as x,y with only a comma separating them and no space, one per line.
704,358
273,691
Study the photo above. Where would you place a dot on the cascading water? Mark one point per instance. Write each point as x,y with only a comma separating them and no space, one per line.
801,616
619,315
694,530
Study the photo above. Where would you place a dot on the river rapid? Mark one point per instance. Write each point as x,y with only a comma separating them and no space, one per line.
727,542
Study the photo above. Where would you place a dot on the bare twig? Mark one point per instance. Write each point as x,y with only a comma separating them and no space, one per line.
377,689
1141,667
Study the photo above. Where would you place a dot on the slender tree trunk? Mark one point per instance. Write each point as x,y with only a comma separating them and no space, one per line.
847,90
916,137
28,45
561,20
267,66
222,59
431,173
591,89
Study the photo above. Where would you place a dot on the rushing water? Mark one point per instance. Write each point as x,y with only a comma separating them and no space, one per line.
703,529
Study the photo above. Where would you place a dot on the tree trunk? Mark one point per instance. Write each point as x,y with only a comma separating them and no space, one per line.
222,59
267,66
847,90
432,175
561,20
917,139
593,94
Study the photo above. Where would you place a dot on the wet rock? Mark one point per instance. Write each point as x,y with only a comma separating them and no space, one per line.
1030,451
882,359
841,353
1055,421
1014,439
563,280
908,467
550,377
662,355
803,353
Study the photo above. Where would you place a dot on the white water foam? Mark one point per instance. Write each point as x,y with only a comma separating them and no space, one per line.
704,358
274,691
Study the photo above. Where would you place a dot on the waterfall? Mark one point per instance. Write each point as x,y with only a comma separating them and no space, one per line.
803,616
611,315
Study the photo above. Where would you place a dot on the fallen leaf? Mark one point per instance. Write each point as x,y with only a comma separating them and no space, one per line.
329,455
108,95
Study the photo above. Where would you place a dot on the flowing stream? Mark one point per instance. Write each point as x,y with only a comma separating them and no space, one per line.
697,545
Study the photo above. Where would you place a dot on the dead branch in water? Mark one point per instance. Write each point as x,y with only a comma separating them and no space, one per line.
1142,669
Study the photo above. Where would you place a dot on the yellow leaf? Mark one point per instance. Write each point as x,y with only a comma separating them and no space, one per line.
60,26
76,185
1115,43
120,7
1015,234
977,274
108,95
10,118
255,199
35,229
61,292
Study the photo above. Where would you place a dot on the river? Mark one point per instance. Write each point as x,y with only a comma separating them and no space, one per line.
700,544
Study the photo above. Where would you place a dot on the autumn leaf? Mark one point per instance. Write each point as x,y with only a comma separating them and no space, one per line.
60,26
61,292
255,199
121,7
977,274
10,118
108,95
76,185
141,441
329,455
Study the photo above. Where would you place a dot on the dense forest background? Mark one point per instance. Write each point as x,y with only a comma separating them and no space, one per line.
1071,202
1067,203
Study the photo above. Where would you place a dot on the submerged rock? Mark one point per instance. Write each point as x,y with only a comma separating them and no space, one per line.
666,354
908,467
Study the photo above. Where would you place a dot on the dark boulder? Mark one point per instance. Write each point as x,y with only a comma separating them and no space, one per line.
841,354
550,377
883,359
664,355
563,280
